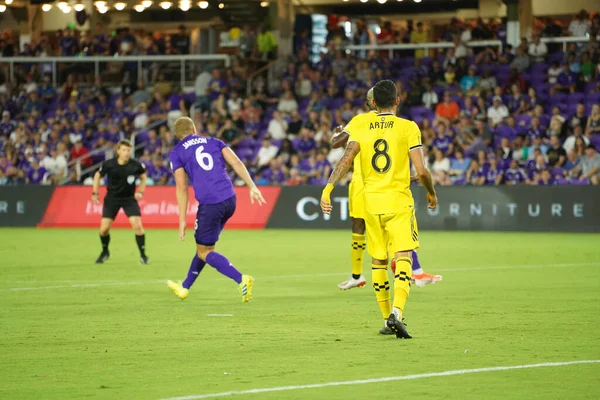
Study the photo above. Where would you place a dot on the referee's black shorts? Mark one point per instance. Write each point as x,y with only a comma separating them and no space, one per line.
112,206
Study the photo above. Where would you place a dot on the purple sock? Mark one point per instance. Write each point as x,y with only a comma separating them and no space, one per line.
222,264
195,268
416,265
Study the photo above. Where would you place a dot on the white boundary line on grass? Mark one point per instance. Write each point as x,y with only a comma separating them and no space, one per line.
292,276
379,380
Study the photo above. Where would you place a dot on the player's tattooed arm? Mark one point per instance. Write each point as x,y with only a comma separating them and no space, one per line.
340,137
340,170
352,149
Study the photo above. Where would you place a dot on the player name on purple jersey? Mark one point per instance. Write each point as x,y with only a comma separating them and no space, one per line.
202,159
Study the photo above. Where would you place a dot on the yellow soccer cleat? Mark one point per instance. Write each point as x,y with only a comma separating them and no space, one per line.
246,288
178,290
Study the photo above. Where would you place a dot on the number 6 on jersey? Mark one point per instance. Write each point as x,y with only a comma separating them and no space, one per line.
204,160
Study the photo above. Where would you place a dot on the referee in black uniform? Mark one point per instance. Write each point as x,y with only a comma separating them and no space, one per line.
121,173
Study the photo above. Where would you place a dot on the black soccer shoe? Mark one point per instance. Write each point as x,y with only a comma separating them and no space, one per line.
386,331
398,327
105,255
144,260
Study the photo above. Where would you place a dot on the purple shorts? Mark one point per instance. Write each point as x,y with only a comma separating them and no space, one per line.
210,220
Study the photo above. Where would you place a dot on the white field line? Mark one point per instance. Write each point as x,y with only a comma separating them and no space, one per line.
296,276
379,380
81,285
219,315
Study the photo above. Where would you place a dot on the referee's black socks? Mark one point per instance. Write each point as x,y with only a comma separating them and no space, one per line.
105,241
141,243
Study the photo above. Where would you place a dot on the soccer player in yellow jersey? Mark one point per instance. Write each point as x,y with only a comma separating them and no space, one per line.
386,145
356,206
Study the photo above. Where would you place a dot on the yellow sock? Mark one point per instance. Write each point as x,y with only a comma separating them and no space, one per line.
357,253
402,282
381,284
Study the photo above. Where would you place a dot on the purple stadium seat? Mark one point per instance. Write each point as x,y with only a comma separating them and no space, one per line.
562,181
593,97
595,140
556,57
575,97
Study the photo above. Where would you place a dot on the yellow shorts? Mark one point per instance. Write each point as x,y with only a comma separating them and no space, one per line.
356,200
393,232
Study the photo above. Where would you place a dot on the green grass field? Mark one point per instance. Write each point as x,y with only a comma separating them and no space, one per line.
71,330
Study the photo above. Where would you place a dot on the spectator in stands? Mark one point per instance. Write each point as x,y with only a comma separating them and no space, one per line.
580,26
430,97
590,165
537,49
441,168
448,110
277,128
56,165
497,112
287,104
593,123
419,36
557,156
469,82
521,62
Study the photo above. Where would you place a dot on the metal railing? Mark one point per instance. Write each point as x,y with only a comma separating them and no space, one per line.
565,40
420,46
185,66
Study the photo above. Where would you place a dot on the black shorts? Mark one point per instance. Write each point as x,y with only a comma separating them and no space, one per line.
112,206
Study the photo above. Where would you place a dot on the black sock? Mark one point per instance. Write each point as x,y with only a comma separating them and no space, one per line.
141,242
355,276
105,241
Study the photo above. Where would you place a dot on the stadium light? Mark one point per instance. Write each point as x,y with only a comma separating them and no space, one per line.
102,9
264,4
184,5
139,7
221,6
79,7
363,1
66,9
146,3
417,1
165,5
120,6
46,7
8,2
2,8
62,4
203,4
381,1
100,4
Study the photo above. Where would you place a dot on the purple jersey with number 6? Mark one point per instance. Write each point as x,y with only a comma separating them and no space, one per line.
202,159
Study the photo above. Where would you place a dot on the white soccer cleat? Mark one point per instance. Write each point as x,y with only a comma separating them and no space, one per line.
352,283
425,279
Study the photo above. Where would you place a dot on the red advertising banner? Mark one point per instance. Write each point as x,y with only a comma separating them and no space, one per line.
71,206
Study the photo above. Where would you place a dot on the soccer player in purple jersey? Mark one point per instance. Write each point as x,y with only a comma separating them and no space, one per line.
203,160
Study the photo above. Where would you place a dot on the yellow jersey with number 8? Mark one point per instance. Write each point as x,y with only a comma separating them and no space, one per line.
385,142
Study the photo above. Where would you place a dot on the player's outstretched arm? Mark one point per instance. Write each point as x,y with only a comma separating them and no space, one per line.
340,170
418,160
340,138
241,170
182,193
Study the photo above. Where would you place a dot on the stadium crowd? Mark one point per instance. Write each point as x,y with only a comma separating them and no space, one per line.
529,114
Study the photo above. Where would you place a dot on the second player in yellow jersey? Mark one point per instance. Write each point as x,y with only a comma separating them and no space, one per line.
385,145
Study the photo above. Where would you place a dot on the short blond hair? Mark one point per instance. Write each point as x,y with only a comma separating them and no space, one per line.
184,126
